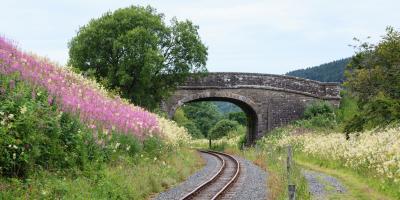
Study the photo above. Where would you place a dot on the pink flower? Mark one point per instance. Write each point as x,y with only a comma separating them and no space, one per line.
75,95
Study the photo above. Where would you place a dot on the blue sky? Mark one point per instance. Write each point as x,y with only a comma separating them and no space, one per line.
242,35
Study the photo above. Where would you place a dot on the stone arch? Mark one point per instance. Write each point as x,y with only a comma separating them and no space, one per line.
246,104
270,101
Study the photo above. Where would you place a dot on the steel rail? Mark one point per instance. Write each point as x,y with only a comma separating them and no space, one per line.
233,179
214,178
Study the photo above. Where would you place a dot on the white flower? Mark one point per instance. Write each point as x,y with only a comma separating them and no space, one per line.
10,116
14,156
23,109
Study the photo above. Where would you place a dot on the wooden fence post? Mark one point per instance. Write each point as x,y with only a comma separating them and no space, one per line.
291,187
289,160
292,192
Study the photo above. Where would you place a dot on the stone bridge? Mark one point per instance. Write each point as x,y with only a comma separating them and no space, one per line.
269,101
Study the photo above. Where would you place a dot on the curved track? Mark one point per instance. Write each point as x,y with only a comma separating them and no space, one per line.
220,182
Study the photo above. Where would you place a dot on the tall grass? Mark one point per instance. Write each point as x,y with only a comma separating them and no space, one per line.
76,95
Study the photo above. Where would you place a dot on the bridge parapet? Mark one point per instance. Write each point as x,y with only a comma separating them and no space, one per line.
226,80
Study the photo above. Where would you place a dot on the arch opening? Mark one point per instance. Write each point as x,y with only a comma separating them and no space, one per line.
246,108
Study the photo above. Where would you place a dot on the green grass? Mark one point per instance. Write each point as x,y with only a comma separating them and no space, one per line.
362,187
125,178
273,160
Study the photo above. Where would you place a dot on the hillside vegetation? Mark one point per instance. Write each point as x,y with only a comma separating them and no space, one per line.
359,142
63,136
328,72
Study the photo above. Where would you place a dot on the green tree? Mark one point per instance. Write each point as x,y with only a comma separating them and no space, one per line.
133,51
240,117
203,114
373,78
222,128
191,127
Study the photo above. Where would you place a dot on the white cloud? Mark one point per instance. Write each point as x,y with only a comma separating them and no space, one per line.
254,35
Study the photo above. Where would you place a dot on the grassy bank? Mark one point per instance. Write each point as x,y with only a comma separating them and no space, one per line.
124,178
58,142
273,160
357,186
367,162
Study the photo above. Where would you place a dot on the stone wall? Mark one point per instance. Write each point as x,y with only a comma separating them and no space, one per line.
268,100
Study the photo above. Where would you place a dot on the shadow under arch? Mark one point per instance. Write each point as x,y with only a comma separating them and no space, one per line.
246,104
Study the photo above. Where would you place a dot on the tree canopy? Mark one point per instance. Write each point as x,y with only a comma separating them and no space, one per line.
222,128
328,72
203,114
240,117
373,78
135,53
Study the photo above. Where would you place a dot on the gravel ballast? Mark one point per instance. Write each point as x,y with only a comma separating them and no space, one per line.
251,184
322,185
211,167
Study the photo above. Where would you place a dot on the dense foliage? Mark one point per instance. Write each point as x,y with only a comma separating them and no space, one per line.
240,117
222,128
134,52
35,134
318,108
76,95
373,79
373,154
328,72
191,126
319,115
204,115
64,137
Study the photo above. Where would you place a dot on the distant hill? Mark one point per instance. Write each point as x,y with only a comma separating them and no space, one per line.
328,72
226,107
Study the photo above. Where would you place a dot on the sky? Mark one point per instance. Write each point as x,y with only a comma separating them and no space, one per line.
258,36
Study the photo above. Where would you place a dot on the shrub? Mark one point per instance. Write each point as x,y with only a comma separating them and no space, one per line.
318,108
34,134
125,144
220,146
154,146
242,142
319,114
190,126
193,130
379,112
222,128
348,108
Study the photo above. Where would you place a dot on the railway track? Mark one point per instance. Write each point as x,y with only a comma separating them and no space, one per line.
218,185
